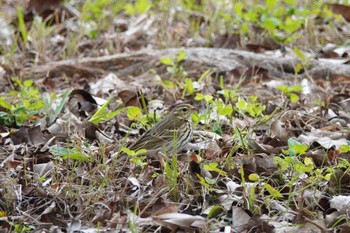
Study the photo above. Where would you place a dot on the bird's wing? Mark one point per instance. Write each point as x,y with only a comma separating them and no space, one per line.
156,137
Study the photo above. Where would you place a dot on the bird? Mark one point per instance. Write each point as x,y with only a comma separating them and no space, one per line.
171,133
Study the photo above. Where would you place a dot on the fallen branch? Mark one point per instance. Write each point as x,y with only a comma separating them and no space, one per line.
197,60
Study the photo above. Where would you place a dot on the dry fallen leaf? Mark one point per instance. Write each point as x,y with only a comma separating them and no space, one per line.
177,220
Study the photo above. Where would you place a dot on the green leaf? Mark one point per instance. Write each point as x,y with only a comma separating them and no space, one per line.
299,149
271,4
6,119
308,162
327,177
215,211
171,69
195,117
293,97
129,9
202,181
225,16
141,151
225,111
134,113
217,128
214,167
283,88
281,162
180,56
270,23
250,17
166,61
142,6
113,114
21,25
210,181
28,83
291,25
245,28
291,144
199,96
20,108
222,83
38,105
102,111
300,167
208,98
274,192
296,88
169,84
250,109
298,68
66,153
138,161
253,98
4,104
241,104
12,92
299,53
189,86
289,2
345,148
128,151
238,7
62,103
20,115
204,75
253,177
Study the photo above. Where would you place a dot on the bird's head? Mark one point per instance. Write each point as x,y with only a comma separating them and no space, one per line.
183,111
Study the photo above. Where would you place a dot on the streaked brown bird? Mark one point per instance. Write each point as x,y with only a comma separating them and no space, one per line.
171,133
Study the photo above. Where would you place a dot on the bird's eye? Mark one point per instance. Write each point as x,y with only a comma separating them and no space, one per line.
184,109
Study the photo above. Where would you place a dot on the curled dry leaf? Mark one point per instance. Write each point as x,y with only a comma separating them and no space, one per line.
319,158
212,151
81,103
240,219
50,215
118,219
325,138
256,163
31,136
45,9
343,10
132,98
340,203
107,83
178,220
42,170
279,131
262,148
232,186
74,225
94,133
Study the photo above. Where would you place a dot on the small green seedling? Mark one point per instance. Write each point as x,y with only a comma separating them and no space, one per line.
21,104
136,157
174,66
292,92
